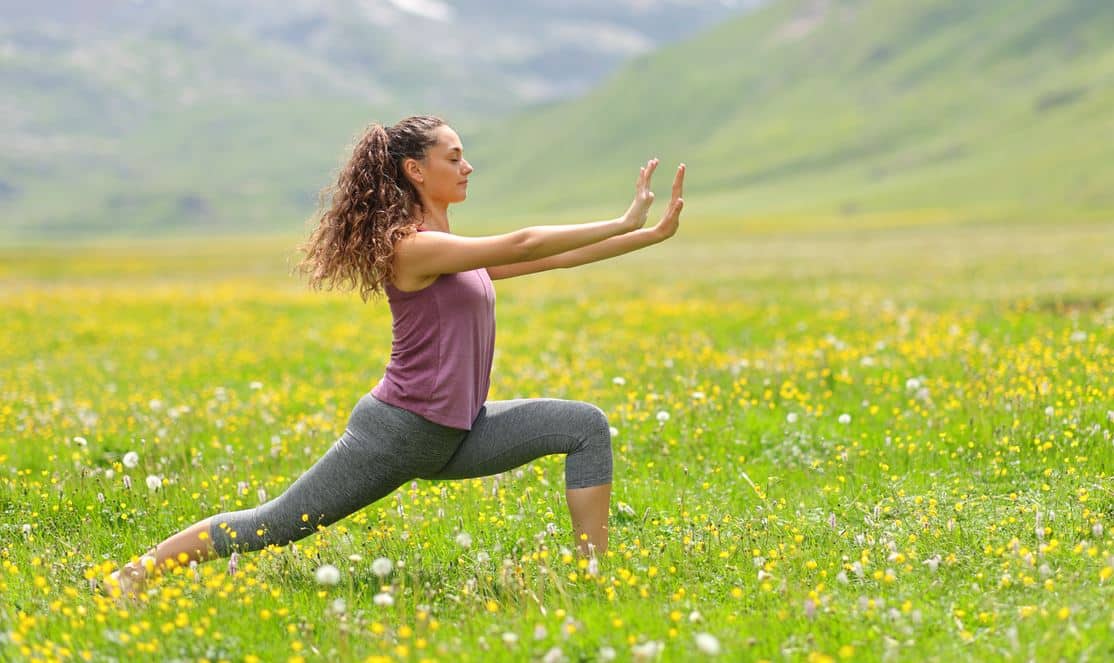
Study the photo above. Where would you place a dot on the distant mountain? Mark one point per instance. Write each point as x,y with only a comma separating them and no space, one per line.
845,111
156,116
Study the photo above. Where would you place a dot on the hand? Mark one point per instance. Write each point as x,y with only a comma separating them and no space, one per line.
635,216
667,227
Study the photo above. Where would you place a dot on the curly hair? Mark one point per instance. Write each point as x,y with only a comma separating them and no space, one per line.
371,209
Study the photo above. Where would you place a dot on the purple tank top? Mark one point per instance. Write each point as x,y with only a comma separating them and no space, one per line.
444,340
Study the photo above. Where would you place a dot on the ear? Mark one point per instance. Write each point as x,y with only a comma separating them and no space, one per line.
412,169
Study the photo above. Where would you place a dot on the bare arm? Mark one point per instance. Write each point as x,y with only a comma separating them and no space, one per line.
428,254
607,248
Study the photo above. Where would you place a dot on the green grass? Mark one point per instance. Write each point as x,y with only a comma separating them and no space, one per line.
1006,328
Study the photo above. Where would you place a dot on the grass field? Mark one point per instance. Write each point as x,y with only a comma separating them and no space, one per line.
863,445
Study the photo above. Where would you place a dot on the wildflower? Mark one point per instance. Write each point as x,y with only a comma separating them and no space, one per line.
127,482
464,539
155,404
613,431
109,473
647,650
1078,336
261,494
554,655
26,529
625,509
593,567
382,567
80,441
539,632
154,482
131,459
912,384
1049,411
932,563
510,638
327,574
662,416
791,417
844,418
697,395
708,644
482,557
338,606
620,381
384,599
233,563
256,384
607,653
1097,530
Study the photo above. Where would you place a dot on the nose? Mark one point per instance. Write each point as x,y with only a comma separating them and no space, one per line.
467,167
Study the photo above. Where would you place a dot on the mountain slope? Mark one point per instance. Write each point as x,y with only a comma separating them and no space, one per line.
925,108
160,116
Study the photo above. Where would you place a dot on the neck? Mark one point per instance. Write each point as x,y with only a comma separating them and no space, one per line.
434,216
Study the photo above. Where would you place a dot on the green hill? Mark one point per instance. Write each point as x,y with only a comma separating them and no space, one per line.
835,113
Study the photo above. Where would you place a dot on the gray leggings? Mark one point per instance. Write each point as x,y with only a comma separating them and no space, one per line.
384,446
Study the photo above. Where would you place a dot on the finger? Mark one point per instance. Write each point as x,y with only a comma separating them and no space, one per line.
678,182
650,171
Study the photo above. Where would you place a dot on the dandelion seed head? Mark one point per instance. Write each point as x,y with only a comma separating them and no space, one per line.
327,574
708,644
382,567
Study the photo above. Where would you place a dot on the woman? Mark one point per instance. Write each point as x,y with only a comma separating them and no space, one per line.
387,231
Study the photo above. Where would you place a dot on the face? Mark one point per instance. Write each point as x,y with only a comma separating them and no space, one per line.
442,176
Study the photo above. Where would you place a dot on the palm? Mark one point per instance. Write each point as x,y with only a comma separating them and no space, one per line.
644,198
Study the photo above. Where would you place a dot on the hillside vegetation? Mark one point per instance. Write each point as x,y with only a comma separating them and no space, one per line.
876,112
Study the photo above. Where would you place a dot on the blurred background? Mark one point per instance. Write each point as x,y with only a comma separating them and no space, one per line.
123,120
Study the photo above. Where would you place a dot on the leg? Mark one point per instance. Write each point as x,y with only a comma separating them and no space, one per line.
507,434
351,475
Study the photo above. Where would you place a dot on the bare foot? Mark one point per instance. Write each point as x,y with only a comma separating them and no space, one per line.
129,581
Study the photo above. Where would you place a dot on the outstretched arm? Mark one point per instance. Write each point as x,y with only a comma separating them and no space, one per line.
612,246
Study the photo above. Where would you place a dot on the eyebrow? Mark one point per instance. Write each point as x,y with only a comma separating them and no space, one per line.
456,149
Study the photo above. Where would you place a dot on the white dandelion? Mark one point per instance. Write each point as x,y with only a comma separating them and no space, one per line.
647,650
662,416
154,482
131,459
464,540
384,599
510,638
844,418
791,417
327,574
708,644
620,381
382,567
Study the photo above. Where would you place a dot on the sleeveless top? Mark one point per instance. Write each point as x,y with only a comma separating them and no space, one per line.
442,347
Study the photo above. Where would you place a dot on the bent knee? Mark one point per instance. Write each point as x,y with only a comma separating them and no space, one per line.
594,420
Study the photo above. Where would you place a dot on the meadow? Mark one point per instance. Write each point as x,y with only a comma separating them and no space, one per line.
874,444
